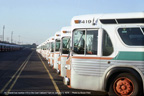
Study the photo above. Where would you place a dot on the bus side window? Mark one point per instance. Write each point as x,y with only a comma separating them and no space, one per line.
107,47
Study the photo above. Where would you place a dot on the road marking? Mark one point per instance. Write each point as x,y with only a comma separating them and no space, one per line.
16,79
1,91
11,78
55,85
18,74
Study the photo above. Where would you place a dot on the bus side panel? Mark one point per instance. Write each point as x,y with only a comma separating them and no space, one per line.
85,74
105,67
51,59
63,63
56,56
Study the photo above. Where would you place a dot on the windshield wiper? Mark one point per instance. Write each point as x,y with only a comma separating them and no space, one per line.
80,39
68,42
142,29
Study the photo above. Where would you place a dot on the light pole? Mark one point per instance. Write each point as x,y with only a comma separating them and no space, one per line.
3,31
11,36
19,39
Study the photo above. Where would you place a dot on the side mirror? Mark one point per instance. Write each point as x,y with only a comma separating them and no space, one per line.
70,52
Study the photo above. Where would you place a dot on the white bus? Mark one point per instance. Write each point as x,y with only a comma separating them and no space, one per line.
107,53
56,49
48,48
38,48
51,53
44,47
64,50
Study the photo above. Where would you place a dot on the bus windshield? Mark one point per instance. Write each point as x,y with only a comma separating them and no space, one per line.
52,46
57,45
79,41
65,45
132,36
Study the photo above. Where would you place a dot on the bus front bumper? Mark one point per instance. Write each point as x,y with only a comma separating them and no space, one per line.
66,80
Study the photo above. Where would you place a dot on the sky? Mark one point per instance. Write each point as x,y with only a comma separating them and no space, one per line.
34,21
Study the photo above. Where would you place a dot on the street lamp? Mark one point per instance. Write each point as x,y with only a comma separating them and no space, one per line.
19,39
11,37
3,31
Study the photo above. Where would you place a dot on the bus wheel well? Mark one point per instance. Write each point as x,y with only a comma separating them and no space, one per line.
118,70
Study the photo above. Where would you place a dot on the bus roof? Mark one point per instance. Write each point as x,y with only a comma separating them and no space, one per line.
114,18
123,15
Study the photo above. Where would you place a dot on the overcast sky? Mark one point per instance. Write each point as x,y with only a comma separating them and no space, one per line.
33,21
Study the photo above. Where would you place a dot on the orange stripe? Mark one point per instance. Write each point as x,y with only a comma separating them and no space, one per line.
59,58
104,58
49,60
68,61
57,53
52,54
52,61
64,56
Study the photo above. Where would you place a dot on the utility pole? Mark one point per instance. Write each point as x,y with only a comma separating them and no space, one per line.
3,31
11,36
19,39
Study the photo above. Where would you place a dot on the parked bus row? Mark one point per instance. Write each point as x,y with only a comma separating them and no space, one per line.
101,52
5,46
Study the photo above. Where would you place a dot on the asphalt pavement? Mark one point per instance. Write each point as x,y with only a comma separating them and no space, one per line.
25,72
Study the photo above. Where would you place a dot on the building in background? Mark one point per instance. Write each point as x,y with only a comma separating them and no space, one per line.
29,45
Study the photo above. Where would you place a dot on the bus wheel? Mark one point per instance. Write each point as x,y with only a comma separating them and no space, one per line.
125,84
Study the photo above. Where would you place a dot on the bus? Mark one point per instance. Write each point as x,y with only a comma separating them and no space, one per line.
51,53
48,48
38,50
64,50
56,50
107,53
43,51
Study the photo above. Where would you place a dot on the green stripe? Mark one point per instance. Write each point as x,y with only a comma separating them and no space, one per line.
134,56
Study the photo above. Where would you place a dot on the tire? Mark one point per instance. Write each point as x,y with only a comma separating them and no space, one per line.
125,84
